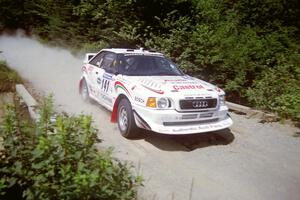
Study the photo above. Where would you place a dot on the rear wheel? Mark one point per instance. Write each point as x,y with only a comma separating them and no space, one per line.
126,121
84,91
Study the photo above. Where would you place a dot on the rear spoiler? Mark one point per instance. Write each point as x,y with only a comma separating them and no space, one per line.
88,57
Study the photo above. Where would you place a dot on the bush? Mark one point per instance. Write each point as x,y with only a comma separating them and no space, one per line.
278,90
226,43
57,159
8,78
93,47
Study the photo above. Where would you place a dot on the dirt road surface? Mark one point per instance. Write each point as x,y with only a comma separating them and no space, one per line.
250,161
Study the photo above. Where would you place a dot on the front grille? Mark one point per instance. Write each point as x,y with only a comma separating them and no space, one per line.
197,104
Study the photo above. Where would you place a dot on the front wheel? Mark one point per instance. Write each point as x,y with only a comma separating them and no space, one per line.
126,121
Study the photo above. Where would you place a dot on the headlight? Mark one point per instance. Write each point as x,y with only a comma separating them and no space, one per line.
222,100
162,103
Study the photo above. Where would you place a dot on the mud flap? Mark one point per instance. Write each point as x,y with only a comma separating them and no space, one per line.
80,84
113,117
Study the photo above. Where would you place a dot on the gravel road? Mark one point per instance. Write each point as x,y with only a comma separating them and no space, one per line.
250,161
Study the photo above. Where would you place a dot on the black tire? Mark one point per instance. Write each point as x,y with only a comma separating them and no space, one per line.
84,91
125,119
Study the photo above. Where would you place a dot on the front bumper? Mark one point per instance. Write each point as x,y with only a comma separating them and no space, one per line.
176,123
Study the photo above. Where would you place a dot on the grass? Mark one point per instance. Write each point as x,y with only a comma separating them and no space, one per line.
8,78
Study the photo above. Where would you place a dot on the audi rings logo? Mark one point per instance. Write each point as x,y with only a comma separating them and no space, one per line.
200,104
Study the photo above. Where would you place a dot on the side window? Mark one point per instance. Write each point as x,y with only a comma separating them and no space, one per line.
109,62
97,59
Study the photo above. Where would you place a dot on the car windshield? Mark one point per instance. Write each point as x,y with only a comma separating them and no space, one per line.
143,65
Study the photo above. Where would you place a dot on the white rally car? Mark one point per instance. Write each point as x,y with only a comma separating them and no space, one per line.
143,89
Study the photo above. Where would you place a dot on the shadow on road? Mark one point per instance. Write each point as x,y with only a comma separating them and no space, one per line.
189,142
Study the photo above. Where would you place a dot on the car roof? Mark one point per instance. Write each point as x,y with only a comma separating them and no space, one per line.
140,51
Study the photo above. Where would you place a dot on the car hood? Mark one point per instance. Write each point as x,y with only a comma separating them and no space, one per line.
176,85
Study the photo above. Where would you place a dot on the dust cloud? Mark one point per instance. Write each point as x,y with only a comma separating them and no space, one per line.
48,69
25,54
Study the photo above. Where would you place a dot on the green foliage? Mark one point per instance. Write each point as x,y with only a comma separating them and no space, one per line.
278,89
93,47
2,186
8,78
11,14
57,159
228,44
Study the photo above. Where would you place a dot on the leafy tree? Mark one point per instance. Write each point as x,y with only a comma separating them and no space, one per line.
11,15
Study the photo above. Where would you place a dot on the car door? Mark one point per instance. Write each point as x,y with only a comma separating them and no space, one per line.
94,72
107,78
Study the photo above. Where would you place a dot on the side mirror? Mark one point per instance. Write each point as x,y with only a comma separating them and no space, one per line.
90,56
98,64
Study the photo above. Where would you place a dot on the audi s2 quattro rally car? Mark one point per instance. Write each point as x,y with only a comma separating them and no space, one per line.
144,89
